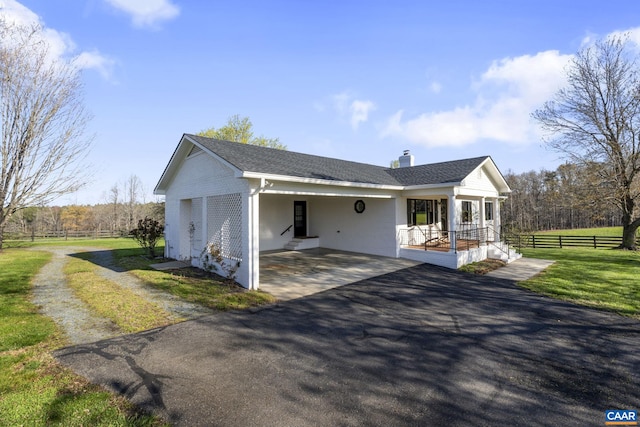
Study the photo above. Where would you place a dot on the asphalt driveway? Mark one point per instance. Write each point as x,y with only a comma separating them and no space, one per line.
421,346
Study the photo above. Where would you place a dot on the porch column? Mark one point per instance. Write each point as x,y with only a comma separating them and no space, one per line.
182,235
496,218
251,251
482,223
452,221
205,223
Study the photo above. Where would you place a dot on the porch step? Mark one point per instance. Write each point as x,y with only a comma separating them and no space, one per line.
502,252
299,243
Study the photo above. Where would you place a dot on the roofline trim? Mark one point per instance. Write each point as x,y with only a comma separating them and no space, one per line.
289,178
429,186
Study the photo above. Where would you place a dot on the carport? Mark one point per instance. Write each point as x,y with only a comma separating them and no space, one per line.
293,274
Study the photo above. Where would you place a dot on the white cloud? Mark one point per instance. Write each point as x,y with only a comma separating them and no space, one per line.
147,13
61,45
96,61
14,12
357,110
505,96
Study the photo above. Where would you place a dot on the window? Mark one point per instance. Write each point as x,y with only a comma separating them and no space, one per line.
467,214
420,212
488,211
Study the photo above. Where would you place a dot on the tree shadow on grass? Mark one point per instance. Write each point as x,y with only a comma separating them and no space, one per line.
119,260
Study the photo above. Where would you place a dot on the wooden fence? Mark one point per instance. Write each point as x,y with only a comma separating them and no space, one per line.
66,234
550,241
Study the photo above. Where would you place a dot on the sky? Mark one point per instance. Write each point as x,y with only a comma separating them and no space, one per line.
351,79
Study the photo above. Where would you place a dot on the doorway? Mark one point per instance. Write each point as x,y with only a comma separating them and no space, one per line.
299,218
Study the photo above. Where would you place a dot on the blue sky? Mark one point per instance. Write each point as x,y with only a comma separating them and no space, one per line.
356,80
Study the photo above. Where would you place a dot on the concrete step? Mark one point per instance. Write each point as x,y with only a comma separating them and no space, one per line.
502,252
302,243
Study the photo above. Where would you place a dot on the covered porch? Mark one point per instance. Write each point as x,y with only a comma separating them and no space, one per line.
453,249
357,223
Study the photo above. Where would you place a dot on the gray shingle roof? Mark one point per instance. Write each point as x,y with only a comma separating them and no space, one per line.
437,173
251,158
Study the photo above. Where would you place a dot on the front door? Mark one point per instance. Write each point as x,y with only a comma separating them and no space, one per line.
299,218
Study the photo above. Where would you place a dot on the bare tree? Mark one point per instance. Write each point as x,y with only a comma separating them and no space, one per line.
596,120
43,122
114,193
133,189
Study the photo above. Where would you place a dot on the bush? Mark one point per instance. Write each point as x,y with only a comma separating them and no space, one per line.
147,234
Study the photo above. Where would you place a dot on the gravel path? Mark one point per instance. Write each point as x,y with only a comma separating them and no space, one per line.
56,300
177,307
81,325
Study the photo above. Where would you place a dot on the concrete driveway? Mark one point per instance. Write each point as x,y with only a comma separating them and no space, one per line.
421,346
293,274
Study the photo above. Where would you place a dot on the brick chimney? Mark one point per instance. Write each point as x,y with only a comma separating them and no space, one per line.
406,160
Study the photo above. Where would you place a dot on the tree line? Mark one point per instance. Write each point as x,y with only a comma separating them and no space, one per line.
108,218
124,206
571,196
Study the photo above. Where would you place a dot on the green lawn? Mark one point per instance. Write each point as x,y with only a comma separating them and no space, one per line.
34,389
191,284
601,278
604,232
109,243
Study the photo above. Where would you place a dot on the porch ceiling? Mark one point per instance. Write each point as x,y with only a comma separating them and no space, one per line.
294,274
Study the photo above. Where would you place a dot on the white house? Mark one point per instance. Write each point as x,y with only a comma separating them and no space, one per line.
236,200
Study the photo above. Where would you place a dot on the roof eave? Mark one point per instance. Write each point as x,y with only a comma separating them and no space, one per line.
432,186
317,181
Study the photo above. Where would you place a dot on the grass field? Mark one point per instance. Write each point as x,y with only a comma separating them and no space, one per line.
606,279
34,389
602,278
109,243
605,231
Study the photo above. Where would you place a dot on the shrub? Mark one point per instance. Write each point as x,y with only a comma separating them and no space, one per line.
147,234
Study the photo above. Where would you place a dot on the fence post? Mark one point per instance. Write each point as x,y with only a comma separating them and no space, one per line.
534,241
595,243
560,241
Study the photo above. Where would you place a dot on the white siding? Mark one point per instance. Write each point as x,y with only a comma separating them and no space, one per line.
338,225
276,214
479,182
334,220
200,176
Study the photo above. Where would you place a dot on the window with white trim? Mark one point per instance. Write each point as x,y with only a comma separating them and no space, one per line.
488,211
467,211
421,212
